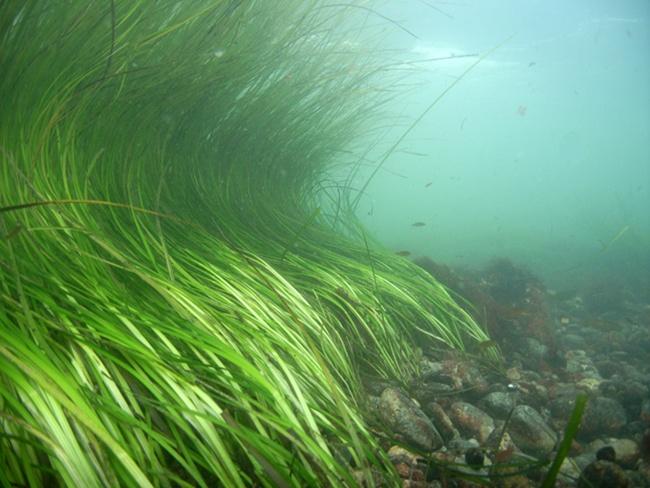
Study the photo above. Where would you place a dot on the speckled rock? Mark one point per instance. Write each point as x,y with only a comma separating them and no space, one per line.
442,422
471,421
603,416
498,404
529,431
405,418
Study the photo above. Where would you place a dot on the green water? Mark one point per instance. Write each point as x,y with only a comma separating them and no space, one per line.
540,154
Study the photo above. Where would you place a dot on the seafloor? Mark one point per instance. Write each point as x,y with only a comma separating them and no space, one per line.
469,422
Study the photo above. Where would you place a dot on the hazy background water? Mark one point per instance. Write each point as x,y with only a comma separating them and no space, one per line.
540,154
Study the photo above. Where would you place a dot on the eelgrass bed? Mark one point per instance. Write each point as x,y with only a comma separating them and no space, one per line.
175,308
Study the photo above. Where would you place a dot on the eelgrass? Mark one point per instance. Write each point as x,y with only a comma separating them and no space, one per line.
174,309
563,449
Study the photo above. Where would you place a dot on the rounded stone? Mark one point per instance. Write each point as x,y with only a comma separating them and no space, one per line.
529,431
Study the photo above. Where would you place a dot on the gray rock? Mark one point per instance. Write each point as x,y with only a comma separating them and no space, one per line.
498,404
471,421
603,416
529,431
404,417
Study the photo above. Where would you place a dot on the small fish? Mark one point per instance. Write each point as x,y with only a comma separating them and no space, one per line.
403,253
605,247
531,64
521,110
418,224
428,184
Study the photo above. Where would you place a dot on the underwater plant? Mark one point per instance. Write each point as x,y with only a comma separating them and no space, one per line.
174,307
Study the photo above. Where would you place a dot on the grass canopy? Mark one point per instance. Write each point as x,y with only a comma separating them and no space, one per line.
175,308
